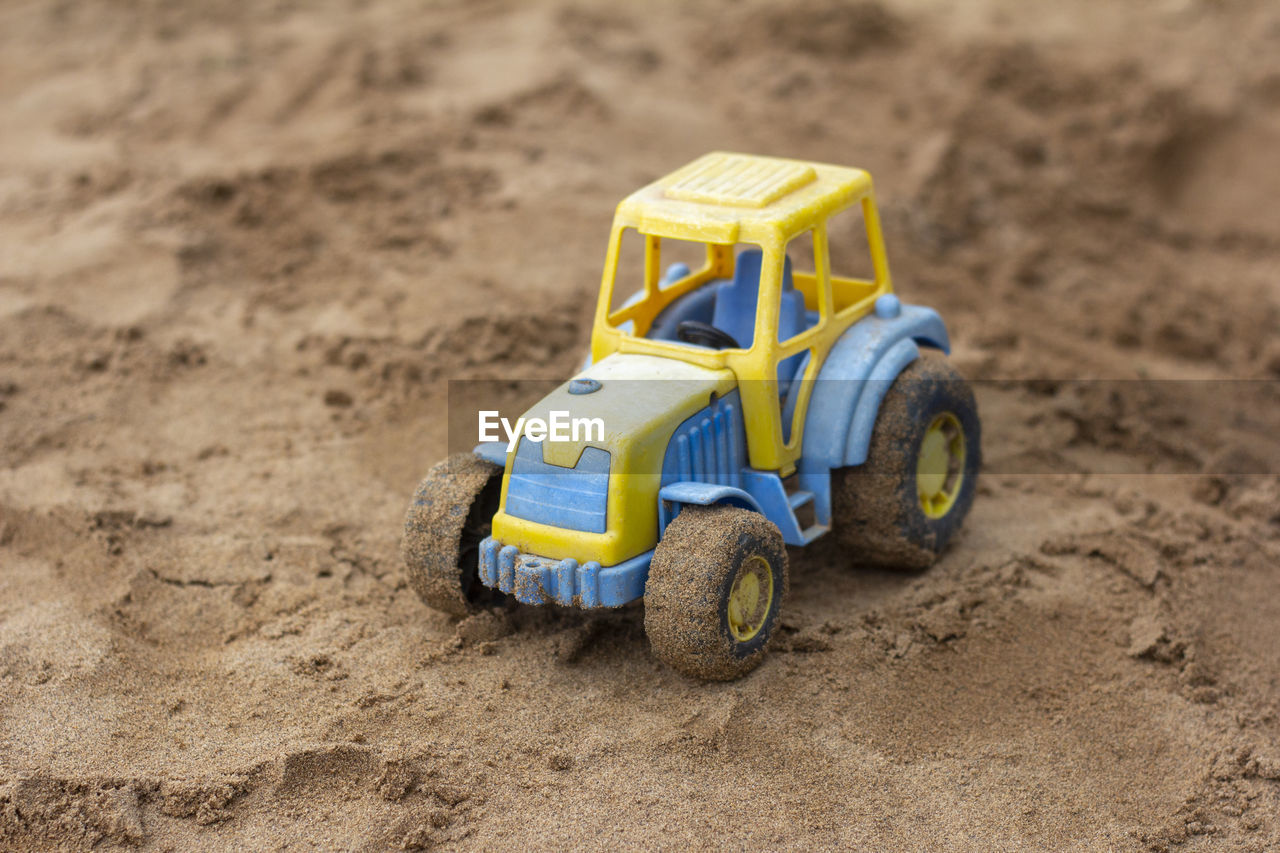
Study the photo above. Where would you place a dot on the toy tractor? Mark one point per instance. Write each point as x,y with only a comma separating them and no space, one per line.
744,406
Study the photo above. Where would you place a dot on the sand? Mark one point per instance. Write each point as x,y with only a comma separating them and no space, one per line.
243,247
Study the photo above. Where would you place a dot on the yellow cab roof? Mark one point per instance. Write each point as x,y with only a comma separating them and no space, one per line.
728,198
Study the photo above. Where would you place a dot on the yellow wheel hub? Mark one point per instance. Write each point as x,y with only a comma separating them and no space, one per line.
940,466
750,598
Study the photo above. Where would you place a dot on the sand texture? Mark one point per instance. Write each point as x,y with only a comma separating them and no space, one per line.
243,247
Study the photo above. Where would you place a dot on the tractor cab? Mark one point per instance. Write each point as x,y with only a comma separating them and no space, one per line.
728,263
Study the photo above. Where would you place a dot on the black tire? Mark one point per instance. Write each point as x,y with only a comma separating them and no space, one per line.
879,511
451,513
701,575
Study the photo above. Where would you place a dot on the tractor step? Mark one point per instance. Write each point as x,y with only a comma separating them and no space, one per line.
813,531
780,506
799,498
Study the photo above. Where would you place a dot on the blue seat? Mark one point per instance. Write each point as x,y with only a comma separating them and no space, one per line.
735,308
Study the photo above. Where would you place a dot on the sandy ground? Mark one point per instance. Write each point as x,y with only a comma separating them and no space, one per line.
243,247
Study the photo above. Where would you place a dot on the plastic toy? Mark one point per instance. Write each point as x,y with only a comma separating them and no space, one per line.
746,406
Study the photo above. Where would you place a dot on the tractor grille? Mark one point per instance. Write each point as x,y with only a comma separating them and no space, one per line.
572,498
708,447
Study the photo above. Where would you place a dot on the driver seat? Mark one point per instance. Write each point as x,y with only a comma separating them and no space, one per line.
736,300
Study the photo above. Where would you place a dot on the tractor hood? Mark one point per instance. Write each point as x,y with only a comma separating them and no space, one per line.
638,399
627,405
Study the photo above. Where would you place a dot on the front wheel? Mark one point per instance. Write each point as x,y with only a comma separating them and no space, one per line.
450,515
901,507
715,591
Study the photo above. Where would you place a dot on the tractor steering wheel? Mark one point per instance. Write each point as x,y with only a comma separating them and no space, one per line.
705,335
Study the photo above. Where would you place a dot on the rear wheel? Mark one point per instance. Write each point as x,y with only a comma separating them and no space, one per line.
902,506
715,591
450,515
